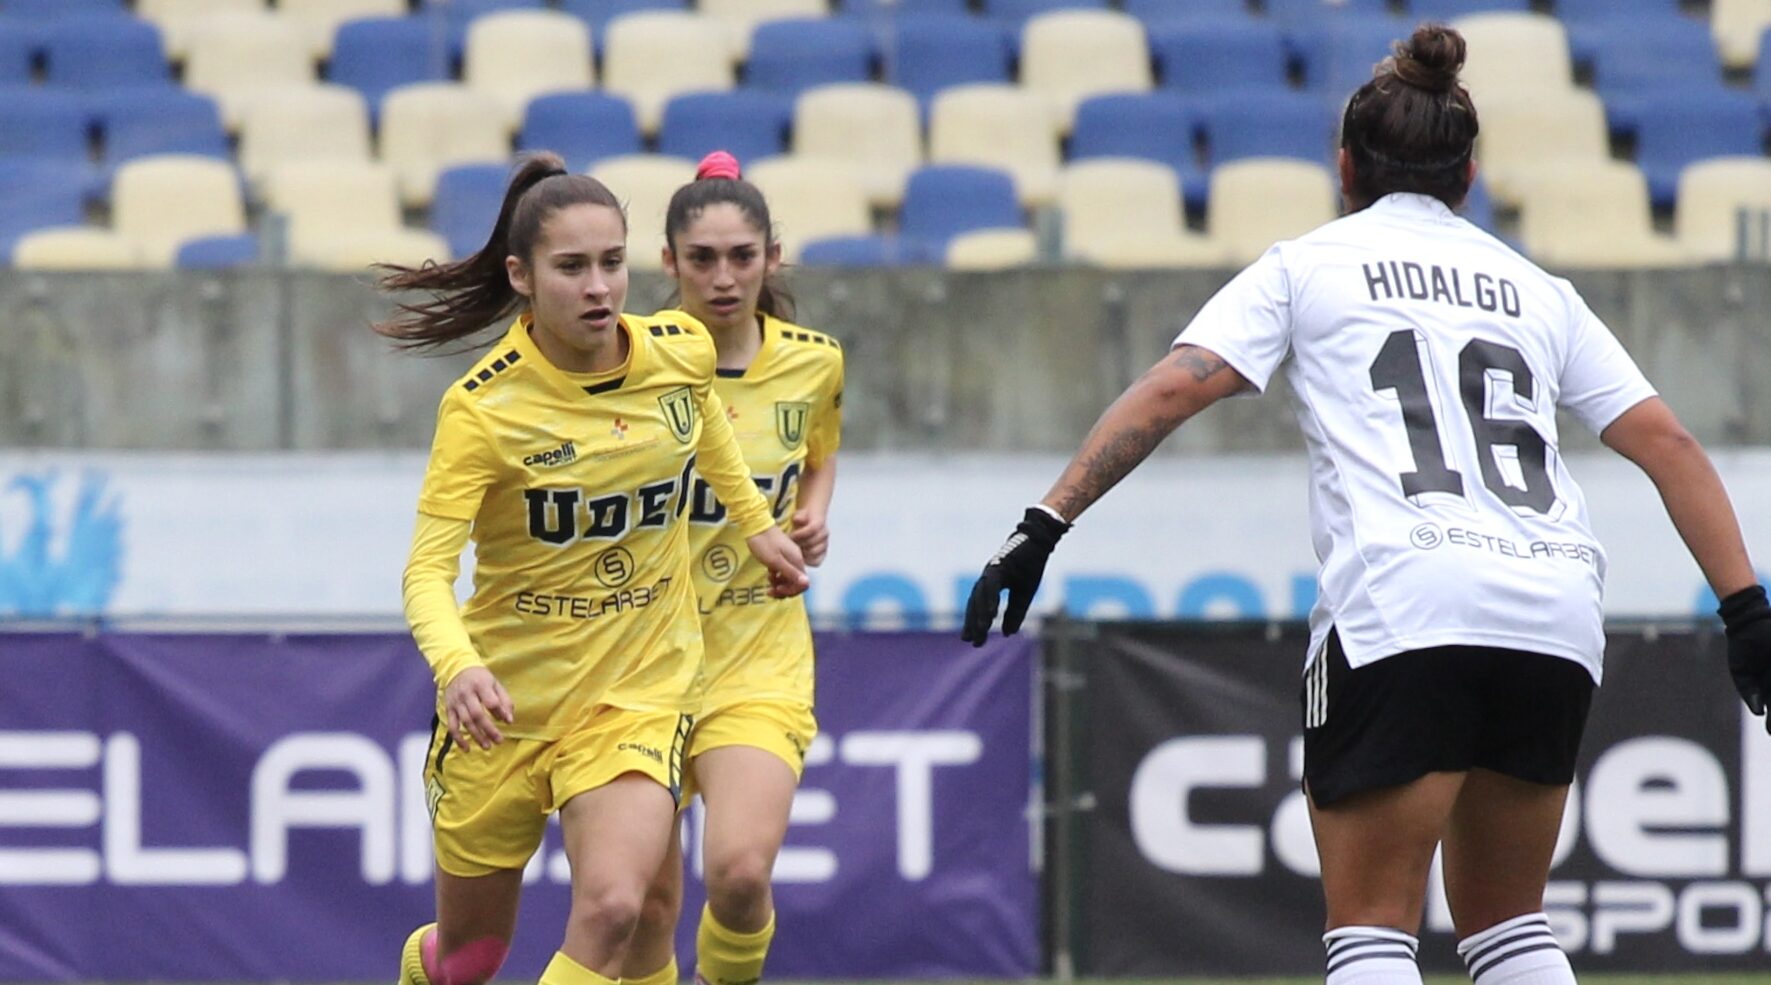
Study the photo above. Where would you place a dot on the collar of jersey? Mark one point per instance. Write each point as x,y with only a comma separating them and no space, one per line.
1413,203
770,326
519,338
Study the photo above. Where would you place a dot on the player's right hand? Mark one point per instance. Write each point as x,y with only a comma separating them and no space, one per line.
475,702
1747,619
787,566
1018,566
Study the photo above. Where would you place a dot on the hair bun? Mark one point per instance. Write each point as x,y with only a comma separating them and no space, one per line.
1431,58
718,164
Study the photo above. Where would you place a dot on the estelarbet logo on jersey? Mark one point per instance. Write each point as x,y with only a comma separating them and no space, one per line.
790,421
679,412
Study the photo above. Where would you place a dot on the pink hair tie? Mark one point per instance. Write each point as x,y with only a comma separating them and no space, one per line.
718,164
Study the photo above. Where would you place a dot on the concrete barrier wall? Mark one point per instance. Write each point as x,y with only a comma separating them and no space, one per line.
1012,361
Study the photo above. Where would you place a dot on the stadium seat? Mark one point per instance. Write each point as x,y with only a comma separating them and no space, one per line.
1258,202
377,55
160,202
997,126
1294,11
1633,57
320,122
466,205
236,57
1711,195
1593,215
51,9
1155,127
433,125
176,19
1014,13
1204,56
345,215
873,130
894,8
741,17
811,199
931,53
598,13
1508,52
1762,79
95,53
1267,124
1338,54
750,125
943,201
42,123
39,193
1522,130
1070,55
18,48
1739,27
643,60
1478,205
457,16
225,252
517,55
1593,10
322,18
1122,212
582,127
791,56
1447,10
74,248
1678,126
139,122
1153,12
992,249
644,183
864,251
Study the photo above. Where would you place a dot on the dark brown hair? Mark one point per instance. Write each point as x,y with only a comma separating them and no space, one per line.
718,181
470,295
1412,128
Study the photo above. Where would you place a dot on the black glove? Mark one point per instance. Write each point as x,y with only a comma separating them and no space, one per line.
1747,618
1018,567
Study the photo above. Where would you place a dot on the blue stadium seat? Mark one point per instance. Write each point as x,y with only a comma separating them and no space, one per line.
598,13
1631,56
899,8
1337,54
750,125
1445,10
138,122
943,200
1592,10
1478,207
457,14
1163,11
104,52
1267,124
932,52
376,54
466,205
1762,75
790,56
43,123
1311,10
19,44
582,127
38,193
1016,12
217,252
43,9
864,251
1155,127
1677,126
1204,56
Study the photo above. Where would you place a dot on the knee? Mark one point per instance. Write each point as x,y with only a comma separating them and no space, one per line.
740,882
662,905
609,913
473,963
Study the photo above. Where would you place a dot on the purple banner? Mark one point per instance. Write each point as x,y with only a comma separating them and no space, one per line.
246,807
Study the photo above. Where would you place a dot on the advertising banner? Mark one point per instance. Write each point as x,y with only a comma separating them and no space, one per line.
1199,859
250,807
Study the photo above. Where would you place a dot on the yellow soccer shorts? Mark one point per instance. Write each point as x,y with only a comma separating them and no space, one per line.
489,807
782,728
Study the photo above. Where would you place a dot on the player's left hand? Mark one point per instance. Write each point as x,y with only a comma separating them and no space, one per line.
787,566
812,536
1747,619
1018,566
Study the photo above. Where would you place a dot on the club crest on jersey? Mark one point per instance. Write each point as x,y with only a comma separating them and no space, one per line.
679,412
790,421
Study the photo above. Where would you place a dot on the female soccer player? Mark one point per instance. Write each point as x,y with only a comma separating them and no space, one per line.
1458,637
782,386
566,682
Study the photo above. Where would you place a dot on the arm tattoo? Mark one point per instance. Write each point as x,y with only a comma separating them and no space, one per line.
1202,363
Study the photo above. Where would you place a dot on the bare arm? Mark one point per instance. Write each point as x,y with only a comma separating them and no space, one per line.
1184,383
811,529
1649,435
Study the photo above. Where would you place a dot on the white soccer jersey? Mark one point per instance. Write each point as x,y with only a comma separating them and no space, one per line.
1428,360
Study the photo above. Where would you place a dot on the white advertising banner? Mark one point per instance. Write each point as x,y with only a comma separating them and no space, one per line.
126,535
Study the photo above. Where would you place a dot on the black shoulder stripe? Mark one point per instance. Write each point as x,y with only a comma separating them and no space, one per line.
492,369
659,331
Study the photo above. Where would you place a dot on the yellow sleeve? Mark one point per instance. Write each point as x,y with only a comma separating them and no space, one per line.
826,430
721,462
429,594
461,462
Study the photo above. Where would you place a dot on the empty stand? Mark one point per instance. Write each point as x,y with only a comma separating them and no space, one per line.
750,125
1521,131
644,183
790,56
992,249
642,60
320,122
518,55
466,205
137,123
871,129
932,53
75,248
160,202
377,55
997,126
943,201
40,193
235,57
598,13
1247,124
1258,202
1515,52
1712,196
742,16
1739,27
220,252
581,127
810,199
1205,56
1593,215
431,126
1070,55
178,18
1679,126
320,19
95,53
1156,127
1121,212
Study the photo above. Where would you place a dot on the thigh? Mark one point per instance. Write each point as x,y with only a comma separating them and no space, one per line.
1498,847
618,834
748,793
1376,848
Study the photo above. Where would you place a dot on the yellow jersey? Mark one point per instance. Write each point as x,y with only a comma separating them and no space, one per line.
577,488
786,411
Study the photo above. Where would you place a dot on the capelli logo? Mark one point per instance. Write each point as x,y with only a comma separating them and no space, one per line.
650,752
565,454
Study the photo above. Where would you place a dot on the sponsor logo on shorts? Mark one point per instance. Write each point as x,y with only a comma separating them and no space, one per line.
652,753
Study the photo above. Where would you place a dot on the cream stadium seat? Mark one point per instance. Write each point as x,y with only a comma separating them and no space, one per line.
1738,26
159,202
811,199
644,183
1259,201
1523,131
992,249
1070,55
320,18
520,54
306,123
998,126
644,60
75,248
1125,212
235,57
1711,195
176,19
432,125
874,129
1593,215
741,17
1514,52
345,215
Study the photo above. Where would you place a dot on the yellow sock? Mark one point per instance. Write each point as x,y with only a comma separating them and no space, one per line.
726,957
564,971
666,975
412,959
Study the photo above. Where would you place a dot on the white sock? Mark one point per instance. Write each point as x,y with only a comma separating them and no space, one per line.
1520,951
1371,956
